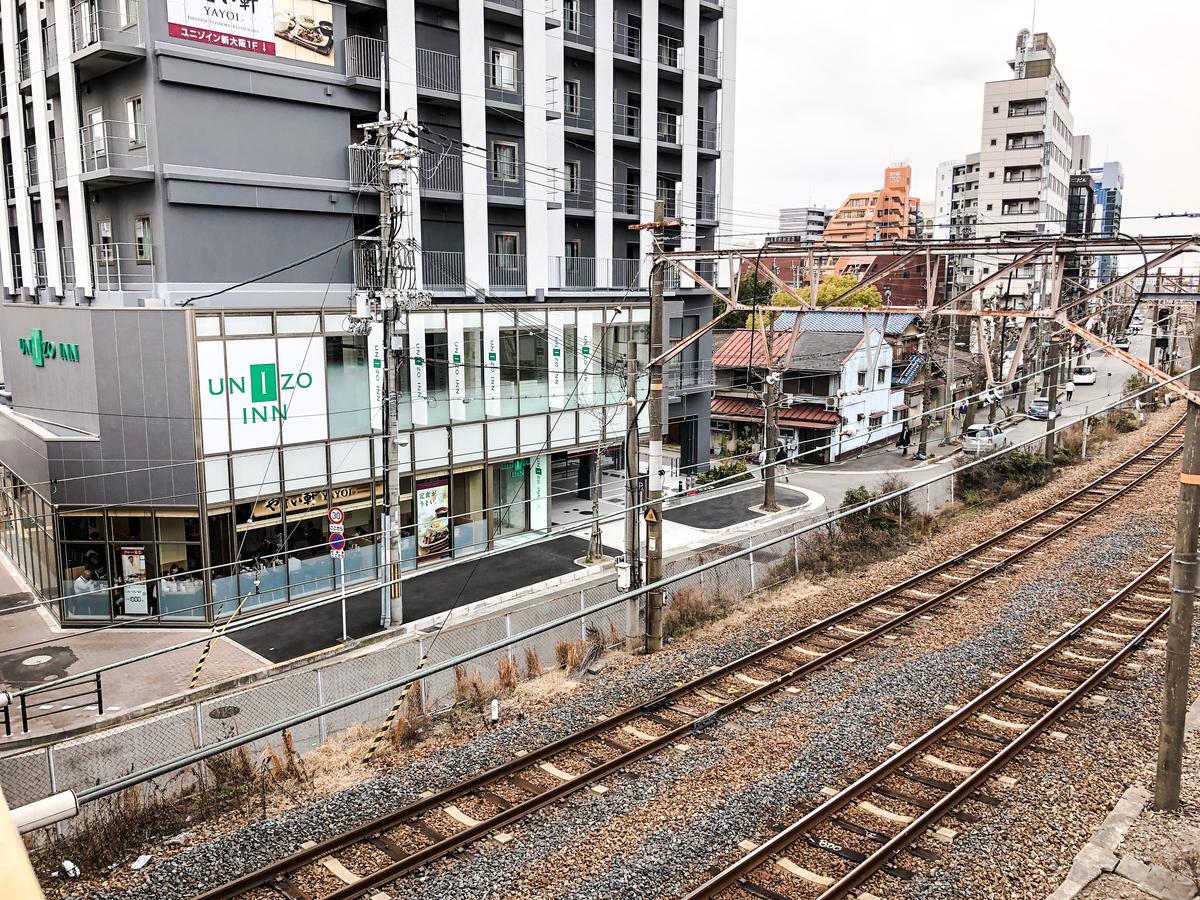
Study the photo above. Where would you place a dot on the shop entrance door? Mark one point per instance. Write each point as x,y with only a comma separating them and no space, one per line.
511,483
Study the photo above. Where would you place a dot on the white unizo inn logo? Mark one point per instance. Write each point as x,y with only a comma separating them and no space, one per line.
269,392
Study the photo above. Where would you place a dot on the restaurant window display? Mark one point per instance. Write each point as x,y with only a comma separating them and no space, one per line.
180,567
85,577
258,555
433,518
468,523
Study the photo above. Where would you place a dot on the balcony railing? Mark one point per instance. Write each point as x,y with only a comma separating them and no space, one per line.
443,270
689,374
578,27
667,196
365,55
41,276
627,199
593,273
67,262
121,267
627,40
1017,179
671,276
368,263
437,71
708,136
1018,209
364,166
505,179
58,158
670,51
503,82
1017,112
506,271
23,58
9,184
442,172
114,145
710,63
117,21
49,45
706,205
582,197
626,120
31,167
511,4
578,112
668,127
707,269
1028,144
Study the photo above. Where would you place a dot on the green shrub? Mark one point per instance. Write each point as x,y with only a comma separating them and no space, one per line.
728,471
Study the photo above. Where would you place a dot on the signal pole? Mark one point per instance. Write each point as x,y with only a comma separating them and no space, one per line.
1184,562
654,548
1055,356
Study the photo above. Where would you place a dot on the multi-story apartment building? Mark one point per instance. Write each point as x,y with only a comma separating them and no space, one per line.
1110,185
803,224
880,215
1025,156
191,210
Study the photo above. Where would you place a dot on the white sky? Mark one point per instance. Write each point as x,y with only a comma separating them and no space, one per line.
829,93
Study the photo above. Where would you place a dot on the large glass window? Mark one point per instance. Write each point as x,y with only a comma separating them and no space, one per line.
362,539
511,491
509,371
259,544
85,580
133,560
309,564
473,373
466,507
181,579
534,369
347,378
437,377
570,367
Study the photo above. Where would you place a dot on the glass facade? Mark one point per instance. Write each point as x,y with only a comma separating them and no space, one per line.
27,533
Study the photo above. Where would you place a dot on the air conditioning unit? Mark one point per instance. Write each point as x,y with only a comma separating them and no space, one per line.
831,403
786,400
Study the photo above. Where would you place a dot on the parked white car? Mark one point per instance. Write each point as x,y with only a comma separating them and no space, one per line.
984,439
1083,375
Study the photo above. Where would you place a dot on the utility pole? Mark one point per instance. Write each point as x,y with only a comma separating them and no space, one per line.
948,418
634,630
654,548
771,438
1169,771
1055,358
1153,329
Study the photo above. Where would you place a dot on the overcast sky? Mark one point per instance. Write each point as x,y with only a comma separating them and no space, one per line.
829,93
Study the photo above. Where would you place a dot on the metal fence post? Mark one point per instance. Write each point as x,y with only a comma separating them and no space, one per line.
99,696
199,724
512,657
796,554
322,733
424,686
582,620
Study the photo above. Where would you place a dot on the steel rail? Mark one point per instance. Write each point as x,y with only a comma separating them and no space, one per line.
777,845
367,830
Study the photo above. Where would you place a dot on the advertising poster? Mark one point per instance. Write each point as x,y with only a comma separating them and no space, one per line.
433,519
378,374
458,373
289,29
133,576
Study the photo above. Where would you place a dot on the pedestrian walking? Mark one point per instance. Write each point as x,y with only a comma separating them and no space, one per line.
762,457
1070,389
905,440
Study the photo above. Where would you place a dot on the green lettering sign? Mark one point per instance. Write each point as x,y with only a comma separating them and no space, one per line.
264,383
38,349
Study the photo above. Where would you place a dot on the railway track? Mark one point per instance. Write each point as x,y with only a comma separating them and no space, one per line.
870,825
360,861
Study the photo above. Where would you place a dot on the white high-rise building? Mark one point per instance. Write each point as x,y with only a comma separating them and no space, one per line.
804,224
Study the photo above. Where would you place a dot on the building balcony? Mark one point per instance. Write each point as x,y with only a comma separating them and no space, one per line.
706,206
670,52
710,64
626,200
580,196
684,376
668,128
708,137
116,153
58,159
1018,112
364,60
41,273
706,269
443,270
589,273
9,184
579,113
667,196
506,272
506,181
1024,144
441,175
579,28
23,70
627,41
123,267
107,34
31,168
438,73
503,83
626,121
49,47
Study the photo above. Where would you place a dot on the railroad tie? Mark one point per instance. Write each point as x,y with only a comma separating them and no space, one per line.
453,812
790,867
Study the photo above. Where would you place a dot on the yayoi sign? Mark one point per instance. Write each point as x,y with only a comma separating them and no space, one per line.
39,349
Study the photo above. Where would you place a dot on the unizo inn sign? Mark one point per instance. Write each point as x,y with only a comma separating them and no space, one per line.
262,392
39,349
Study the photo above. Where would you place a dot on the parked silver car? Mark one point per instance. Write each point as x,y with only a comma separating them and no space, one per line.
1040,409
984,439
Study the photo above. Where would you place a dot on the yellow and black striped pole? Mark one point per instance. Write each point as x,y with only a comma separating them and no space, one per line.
391,716
217,632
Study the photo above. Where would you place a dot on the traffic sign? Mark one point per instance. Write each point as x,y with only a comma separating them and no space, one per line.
337,554
650,516
336,529
337,541
336,516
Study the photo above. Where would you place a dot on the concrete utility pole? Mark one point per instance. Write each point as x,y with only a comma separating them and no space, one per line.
1169,772
654,548
771,399
1055,357
634,630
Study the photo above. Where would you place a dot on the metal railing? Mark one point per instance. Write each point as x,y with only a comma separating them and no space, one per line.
626,120
368,263
1014,179
58,158
1017,112
1018,210
671,275
593,273
708,135
684,374
627,199
23,59
67,262
41,277
438,71
118,21
582,197
627,40
706,205
502,82
670,51
1028,144
364,166
710,63
578,27
506,271
117,267
511,4
707,269
31,167
365,55
504,179
112,144
49,46
442,172
578,112
9,183
443,270
668,127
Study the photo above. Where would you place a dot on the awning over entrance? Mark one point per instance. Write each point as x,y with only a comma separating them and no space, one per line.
804,415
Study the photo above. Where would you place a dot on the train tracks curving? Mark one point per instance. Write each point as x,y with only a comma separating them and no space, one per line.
868,826
359,862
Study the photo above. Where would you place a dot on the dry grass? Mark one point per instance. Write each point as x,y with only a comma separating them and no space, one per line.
533,663
508,676
470,689
690,609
